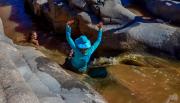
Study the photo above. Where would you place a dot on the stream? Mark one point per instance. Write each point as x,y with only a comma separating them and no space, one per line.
134,78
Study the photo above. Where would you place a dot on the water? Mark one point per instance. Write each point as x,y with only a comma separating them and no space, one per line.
157,81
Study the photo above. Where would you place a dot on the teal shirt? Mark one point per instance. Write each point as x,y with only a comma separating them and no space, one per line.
80,61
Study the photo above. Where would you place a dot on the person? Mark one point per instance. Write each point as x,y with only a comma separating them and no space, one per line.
82,48
34,39
37,7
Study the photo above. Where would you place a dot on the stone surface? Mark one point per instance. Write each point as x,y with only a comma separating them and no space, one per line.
168,9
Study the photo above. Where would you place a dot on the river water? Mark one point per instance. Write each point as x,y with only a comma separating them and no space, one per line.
136,78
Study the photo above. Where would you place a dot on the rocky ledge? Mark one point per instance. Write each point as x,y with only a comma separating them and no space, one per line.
28,76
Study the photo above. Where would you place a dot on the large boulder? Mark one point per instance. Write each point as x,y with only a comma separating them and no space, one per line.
110,11
151,34
156,35
13,86
167,9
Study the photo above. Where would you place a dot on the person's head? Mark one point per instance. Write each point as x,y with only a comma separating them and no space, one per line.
33,35
83,43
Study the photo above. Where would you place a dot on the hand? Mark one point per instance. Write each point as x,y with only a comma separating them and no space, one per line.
70,22
100,25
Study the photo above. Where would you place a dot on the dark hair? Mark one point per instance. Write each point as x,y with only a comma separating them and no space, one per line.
33,32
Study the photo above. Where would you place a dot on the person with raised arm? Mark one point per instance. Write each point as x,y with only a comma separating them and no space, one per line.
82,48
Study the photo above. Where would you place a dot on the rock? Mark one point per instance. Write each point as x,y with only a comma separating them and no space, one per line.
46,65
40,89
13,84
2,95
112,12
52,100
167,9
78,3
155,35
50,82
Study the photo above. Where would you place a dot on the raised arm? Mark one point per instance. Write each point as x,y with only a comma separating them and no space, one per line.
68,35
99,38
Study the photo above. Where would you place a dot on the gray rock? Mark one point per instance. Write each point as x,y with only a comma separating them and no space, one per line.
168,9
78,3
40,89
2,95
155,35
52,100
75,93
49,81
13,84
